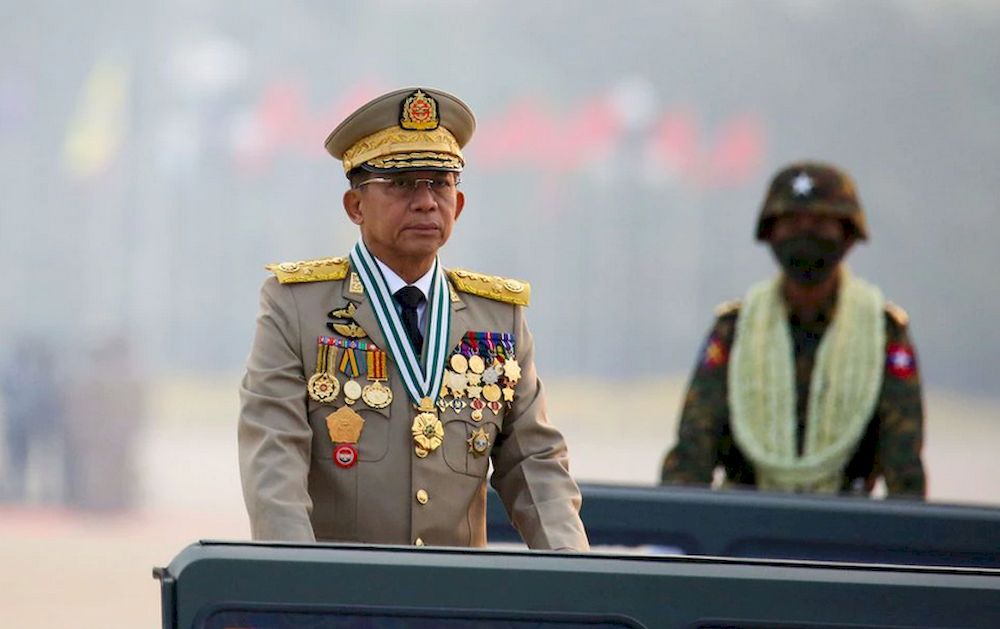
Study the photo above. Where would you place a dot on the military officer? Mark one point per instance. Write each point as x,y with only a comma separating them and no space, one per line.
380,386
809,384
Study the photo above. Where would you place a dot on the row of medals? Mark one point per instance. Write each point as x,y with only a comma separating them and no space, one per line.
474,381
324,387
470,381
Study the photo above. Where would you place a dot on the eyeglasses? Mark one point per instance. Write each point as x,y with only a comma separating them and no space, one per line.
405,187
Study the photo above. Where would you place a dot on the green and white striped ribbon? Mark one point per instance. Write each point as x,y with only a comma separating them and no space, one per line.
422,381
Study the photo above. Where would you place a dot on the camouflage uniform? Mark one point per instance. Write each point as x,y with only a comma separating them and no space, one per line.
890,447
893,440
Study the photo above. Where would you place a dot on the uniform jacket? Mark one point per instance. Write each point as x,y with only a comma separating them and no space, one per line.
293,489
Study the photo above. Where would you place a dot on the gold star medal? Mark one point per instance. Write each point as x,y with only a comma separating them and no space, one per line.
428,433
479,442
512,370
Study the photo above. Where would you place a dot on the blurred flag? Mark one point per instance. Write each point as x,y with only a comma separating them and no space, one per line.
98,125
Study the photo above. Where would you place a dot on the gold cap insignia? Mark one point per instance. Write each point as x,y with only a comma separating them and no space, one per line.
419,112
345,425
414,128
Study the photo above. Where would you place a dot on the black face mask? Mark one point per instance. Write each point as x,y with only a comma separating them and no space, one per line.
808,259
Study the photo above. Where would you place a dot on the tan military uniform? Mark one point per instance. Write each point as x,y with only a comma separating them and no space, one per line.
293,488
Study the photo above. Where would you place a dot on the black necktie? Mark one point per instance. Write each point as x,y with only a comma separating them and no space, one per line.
409,297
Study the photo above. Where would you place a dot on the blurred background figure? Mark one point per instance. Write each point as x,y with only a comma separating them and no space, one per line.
106,408
33,426
811,383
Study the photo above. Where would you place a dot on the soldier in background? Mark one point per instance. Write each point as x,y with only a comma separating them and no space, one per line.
811,383
33,422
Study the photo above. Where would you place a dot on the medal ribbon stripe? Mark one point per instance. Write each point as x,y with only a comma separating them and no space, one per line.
421,381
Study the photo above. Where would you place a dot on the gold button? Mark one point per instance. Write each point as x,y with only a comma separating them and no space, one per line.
418,542
422,497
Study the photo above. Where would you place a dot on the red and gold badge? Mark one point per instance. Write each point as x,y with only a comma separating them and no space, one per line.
419,112
345,426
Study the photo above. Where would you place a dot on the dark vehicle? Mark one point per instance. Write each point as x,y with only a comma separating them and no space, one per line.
219,585
771,578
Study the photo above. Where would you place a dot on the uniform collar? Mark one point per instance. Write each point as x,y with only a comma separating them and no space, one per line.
395,282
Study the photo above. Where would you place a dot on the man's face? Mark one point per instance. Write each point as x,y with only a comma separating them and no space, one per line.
406,215
809,247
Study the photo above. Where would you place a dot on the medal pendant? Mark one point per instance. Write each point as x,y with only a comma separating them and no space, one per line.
479,442
323,388
508,394
490,375
427,431
352,391
512,370
495,407
477,364
376,395
458,405
477,415
492,393
459,364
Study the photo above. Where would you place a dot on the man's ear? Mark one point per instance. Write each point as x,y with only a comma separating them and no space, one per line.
459,204
352,206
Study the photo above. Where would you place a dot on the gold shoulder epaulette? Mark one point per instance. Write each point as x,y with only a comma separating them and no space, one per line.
319,270
491,286
727,308
897,313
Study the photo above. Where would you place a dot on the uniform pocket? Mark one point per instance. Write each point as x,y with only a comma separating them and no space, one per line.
374,442
467,443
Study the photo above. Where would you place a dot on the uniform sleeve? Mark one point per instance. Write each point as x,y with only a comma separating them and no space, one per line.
274,434
531,463
901,418
705,415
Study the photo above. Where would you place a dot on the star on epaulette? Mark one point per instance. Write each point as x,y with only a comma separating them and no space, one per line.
897,313
727,308
318,270
491,286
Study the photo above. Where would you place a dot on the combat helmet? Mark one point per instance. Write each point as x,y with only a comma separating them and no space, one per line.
812,187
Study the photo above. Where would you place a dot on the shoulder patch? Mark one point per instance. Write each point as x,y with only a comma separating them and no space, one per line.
897,313
318,270
728,308
491,287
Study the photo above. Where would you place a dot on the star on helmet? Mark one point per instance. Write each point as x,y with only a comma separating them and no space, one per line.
802,185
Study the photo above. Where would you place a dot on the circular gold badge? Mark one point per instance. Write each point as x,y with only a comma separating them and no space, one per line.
476,364
352,391
492,393
377,395
323,388
459,364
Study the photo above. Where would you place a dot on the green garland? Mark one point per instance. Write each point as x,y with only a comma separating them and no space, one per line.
843,391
